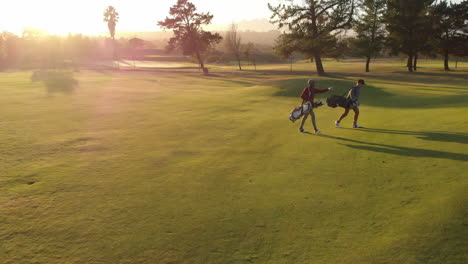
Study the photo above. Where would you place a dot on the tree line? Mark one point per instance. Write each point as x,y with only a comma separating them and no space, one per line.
417,27
314,29
36,50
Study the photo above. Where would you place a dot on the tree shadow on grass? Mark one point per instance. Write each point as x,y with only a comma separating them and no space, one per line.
225,77
56,81
414,77
461,90
463,75
408,80
288,72
400,151
372,95
441,136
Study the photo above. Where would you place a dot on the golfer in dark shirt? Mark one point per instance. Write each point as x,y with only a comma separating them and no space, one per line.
353,97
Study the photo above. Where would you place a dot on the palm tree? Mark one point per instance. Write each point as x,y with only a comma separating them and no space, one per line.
111,17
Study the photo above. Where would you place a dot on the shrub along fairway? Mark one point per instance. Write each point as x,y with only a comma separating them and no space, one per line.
172,166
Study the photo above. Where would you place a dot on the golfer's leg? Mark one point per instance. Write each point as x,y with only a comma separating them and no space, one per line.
343,115
303,121
312,116
356,115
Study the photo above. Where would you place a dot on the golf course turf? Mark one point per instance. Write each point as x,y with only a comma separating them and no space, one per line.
171,166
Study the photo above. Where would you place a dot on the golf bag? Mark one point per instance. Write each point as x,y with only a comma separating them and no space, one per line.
299,111
340,100
337,100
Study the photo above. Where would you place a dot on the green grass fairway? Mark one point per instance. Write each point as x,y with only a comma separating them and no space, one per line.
170,166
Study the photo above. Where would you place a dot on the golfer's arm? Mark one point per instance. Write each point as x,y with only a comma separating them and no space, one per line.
324,90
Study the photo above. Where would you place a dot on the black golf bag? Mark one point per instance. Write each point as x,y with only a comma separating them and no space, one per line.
337,100
340,100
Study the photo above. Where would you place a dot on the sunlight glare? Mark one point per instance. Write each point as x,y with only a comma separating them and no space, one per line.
61,17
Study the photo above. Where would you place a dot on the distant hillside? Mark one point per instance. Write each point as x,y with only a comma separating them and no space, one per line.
263,38
259,31
258,25
146,35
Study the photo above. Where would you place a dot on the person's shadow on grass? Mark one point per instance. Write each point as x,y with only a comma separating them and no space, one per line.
426,135
398,150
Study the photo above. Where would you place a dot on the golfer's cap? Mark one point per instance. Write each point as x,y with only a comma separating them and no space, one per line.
361,81
310,81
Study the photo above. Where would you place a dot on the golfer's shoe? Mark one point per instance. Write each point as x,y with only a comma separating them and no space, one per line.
303,130
337,124
357,126
317,131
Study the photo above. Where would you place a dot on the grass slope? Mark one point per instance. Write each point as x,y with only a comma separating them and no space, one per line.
176,167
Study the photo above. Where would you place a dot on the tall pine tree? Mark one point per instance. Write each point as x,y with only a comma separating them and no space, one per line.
408,24
312,27
370,30
189,35
451,28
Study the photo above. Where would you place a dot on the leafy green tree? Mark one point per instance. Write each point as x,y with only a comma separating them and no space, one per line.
340,48
52,55
111,17
79,48
461,48
2,52
451,29
314,25
233,43
424,38
11,48
408,26
250,53
460,51
370,30
135,44
285,47
188,33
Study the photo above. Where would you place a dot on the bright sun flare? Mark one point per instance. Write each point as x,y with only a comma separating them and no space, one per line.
86,16
54,17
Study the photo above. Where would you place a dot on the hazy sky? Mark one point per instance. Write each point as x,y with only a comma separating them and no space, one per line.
86,16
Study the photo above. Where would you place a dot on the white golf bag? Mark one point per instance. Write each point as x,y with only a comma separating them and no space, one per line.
299,111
